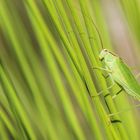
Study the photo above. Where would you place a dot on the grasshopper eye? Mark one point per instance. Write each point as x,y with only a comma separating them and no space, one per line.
105,50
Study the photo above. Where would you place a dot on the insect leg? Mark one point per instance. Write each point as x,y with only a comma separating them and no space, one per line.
102,69
125,110
108,87
116,121
113,83
99,93
118,93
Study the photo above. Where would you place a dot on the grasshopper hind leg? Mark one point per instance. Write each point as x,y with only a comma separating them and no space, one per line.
121,89
114,96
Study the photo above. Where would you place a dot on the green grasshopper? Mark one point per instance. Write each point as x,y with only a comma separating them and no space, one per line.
120,73
118,70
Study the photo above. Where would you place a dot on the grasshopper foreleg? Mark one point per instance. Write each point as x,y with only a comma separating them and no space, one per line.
102,69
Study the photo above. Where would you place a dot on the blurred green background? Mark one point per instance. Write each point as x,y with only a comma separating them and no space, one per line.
48,87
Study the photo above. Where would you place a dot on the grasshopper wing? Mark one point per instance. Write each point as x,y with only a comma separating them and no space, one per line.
124,77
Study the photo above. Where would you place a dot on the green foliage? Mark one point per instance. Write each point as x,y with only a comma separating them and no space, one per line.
48,87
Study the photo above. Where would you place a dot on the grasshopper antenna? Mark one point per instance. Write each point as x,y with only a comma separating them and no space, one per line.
99,35
96,30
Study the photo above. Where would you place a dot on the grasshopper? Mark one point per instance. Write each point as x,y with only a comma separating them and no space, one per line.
120,73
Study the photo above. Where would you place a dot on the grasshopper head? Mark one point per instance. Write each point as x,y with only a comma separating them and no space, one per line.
103,53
